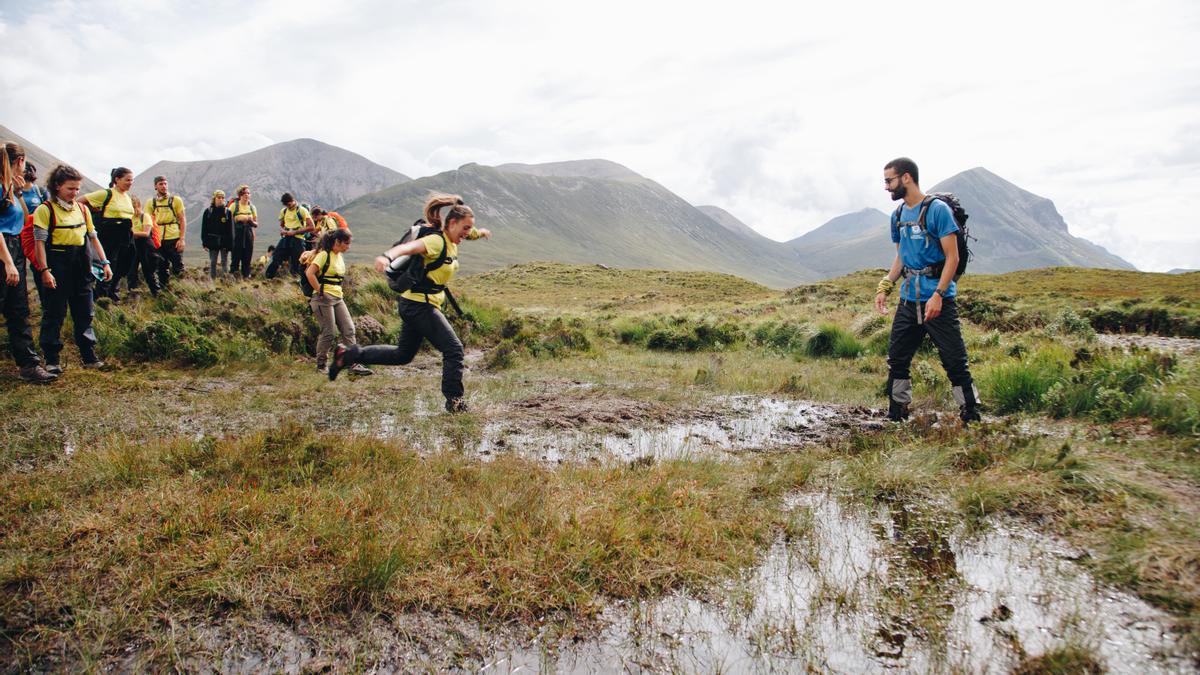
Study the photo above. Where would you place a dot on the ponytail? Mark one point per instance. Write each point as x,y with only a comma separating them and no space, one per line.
12,154
119,172
457,210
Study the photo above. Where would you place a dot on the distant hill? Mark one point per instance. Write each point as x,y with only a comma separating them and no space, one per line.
1182,270
42,159
315,172
576,212
731,222
579,168
847,243
1013,228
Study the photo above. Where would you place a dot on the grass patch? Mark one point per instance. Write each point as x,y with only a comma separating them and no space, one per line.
300,525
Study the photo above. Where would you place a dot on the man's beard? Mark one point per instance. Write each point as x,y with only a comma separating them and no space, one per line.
899,192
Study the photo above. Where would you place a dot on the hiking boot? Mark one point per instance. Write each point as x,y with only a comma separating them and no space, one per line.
95,365
36,375
343,357
897,412
360,370
456,405
968,415
322,368
54,369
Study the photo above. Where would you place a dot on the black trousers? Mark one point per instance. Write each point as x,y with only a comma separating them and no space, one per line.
170,261
72,270
243,249
117,241
14,300
422,321
288,249
146,257
946,333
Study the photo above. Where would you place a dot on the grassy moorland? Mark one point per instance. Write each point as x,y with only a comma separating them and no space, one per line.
211,475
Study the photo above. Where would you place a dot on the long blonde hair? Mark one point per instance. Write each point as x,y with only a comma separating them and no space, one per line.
458,210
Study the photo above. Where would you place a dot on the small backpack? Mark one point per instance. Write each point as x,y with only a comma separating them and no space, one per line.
962,235
342,224
409,272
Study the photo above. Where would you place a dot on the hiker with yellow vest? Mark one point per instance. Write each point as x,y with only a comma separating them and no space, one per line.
245,222
167,211
326,273
145,253
112,213
63,229
451,221
326,222
294,222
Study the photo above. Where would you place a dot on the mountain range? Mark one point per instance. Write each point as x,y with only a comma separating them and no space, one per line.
598,211
315,173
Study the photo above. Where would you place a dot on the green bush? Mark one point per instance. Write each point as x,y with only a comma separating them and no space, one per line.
173,338
833,342
786,337
679,336
1021,385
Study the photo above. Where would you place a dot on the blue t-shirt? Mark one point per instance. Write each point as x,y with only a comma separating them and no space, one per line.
34,197
918,249
12,218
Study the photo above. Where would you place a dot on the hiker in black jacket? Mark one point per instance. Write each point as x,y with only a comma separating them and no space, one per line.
216,233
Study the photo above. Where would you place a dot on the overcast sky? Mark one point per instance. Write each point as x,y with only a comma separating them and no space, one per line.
781,114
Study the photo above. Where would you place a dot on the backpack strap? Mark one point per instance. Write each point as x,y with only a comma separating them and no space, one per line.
924,210
107,199
324,269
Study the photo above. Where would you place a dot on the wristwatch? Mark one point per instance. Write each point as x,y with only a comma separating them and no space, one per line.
940,292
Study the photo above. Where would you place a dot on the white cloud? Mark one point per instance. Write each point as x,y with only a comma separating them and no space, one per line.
781,113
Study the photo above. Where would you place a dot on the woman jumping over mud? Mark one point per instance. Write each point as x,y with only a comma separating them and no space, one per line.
420,307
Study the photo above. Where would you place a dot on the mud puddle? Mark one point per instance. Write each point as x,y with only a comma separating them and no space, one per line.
625,429
1176,345
872,590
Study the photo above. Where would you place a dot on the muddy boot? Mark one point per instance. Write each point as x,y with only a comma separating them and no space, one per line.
456,405
360,370
968,403
899,398
37,375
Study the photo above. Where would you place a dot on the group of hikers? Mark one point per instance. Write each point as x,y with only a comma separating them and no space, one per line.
83,245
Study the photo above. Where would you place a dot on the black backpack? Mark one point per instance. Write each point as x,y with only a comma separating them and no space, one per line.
409,272
960,218
305,287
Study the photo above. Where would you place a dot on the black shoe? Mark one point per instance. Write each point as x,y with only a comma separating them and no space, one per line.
456,405
343,357
37,375
968,415
897,412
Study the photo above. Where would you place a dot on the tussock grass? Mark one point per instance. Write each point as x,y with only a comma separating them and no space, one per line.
293,524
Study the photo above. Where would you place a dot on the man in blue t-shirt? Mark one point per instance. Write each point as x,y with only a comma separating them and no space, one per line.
926,258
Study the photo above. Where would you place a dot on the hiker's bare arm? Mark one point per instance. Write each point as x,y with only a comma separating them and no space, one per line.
892,275
479,233
182,229
47,275
11,276
311,272
408,248
933,308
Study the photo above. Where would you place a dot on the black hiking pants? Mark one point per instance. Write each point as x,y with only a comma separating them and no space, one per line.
946,333
116,238
14,300
288,249
243,249
422,321
146,257
72,270
170,261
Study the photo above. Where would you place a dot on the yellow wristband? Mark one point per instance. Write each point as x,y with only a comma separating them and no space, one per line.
886,286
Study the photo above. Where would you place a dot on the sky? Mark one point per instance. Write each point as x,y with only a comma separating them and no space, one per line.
781,113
